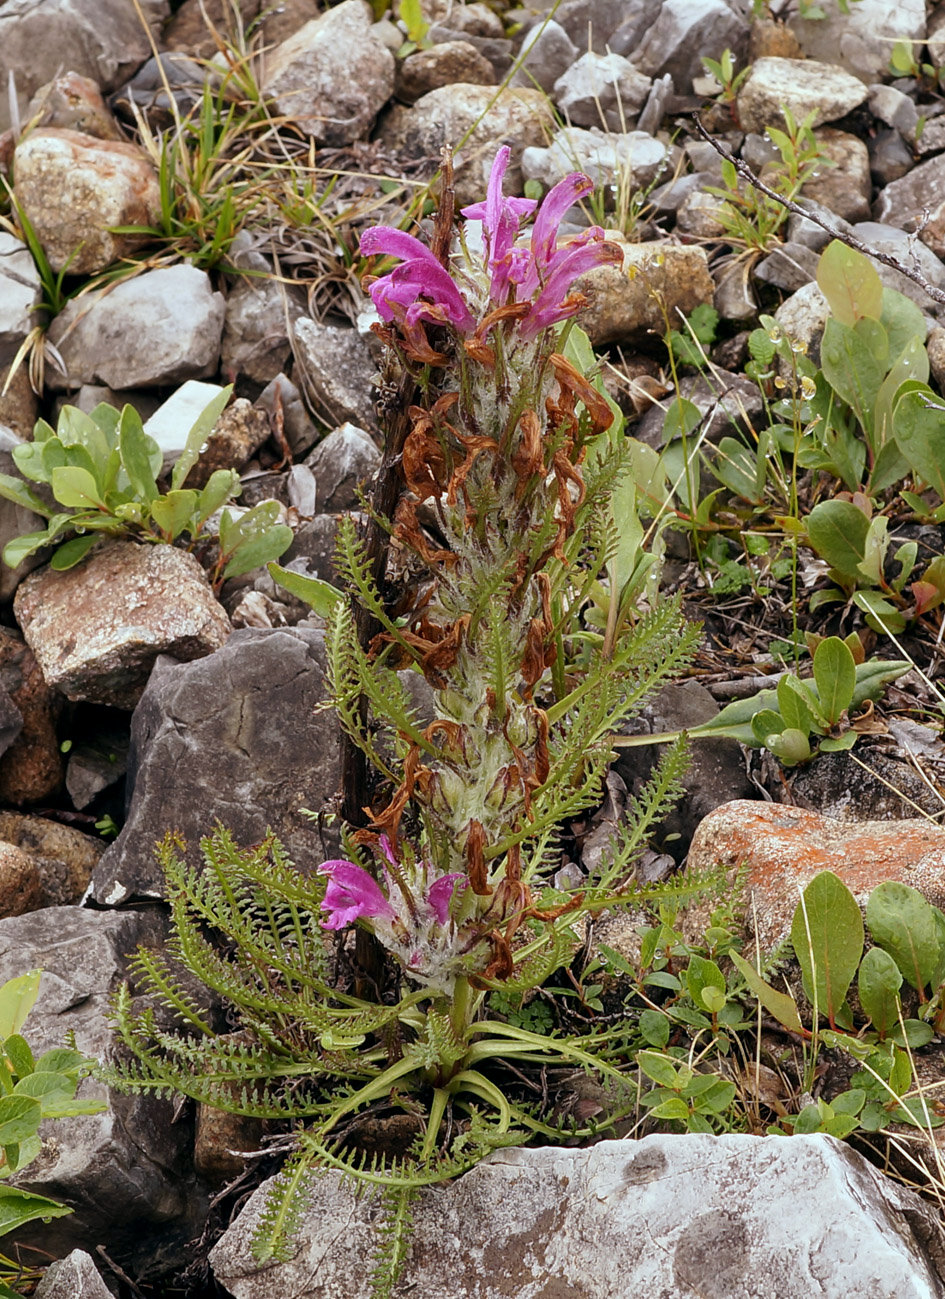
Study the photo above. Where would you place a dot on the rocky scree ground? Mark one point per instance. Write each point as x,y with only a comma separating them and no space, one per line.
182,221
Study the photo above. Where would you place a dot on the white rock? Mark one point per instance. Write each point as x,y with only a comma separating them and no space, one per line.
685,31
860,39
602,85
20,294
801,85
669,1216
630,158
174,418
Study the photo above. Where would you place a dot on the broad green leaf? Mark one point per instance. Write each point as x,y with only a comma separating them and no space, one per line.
20,1116
221,486
778,1004
31,462
793,707
874,550
878,984
837,531
919,430
702,976
834,677
107,418
873,676
903,923
741,469
72,552
77,429
850,283
658,1067
674,1109
75,488
853,360
61,1059
766,726
912,1033
200,431
17,998
628,532
911,364
682,416
838,743
41,1085
903,321
654,1028
849,1102
320,596
254,539
19,1207
173,512
827,936
17,1050
790,747
20,548
804,688
140,454
881,615
60,1106
809,1120
15,490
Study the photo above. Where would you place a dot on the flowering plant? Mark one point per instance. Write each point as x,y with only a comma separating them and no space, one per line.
508,463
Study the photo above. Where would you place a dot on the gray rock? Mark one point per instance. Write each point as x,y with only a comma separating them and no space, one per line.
936,41
842,182
257,326
170,423
658,104
632,158
31,766
20,294
890,156
800,230
702,214
591,23
333,76
167,85
75,189
637,17
313,547
346,458
124,1170
684,32
96,629
334,366
801,85
909,249
73,1277
874,786
915,199
233,737
602,85
280,399
895,108
518,116
622,301
728,404
496,51
105,40
95,765
547,52
155,330
789,267
861,39
931,139
529,1223
442,65
803,317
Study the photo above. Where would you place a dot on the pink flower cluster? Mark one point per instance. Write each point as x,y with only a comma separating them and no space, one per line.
539,275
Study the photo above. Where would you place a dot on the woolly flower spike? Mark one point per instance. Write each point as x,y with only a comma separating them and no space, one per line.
420,289
412,919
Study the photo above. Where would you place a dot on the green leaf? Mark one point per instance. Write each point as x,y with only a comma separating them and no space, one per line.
673,1109
31,462
15,490
702,976
793,707
904,924
221,486
766,725
849,1102
827,936
881,615
71,552
318,595
199,432
254,539
46,1084
658,1067
741,469
17,998
654,1028
834,677
140,455
17,1050
61,1059
809,1120
19,1207
850,283
919,430
173,512
790,747
20,1116
914,1033
778,1004
837,531
75,488
853,360
77,429
878,984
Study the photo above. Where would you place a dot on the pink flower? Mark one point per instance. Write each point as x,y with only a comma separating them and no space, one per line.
419,288
351,895
501,218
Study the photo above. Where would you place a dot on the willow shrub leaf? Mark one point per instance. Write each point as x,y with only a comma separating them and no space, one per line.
17,998
140,454
904,924
778,1004
20,1207
850,283
75,488
837,531
834,677
827,936
853,359
878,984
318,595
919,430
705,983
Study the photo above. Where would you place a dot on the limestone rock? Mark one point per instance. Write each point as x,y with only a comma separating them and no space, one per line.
547,52
519,117
890,156
159,329
102,39
282,402
861,39
602,85
801,85
76,104
232,737
609,158
803,317
235,438
591,23
621,302
73,1277
31,767
124,1170
895,108
701,214
842,183
171,422
188,30
912,250
20,294
334,365
19,410
333,76
74,188
636,19
96,764
442,65
684,32
260,313
342,461
916,200
714,1216
782,849
64,857
96,629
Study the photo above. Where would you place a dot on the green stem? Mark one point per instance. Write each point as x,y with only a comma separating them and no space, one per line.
437,1109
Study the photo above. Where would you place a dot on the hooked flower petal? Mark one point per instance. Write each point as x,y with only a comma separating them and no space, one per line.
352,894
